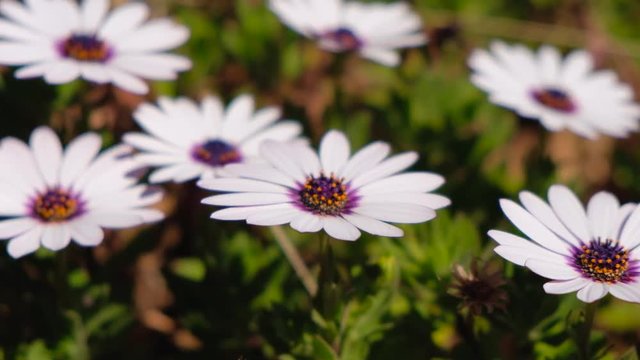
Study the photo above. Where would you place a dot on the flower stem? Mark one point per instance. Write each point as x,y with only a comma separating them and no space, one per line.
584,343
329,289
295,260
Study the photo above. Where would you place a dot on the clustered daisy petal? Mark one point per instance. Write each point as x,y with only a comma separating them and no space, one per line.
51,196
561,93
373,30
186,141
61,41
331,190
592,251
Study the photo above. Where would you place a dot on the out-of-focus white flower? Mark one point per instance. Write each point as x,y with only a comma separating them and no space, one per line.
373,30
331,190
561,93
61,41
49,196
593,252
187,141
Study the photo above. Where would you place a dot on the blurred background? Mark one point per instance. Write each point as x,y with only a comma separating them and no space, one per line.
192,288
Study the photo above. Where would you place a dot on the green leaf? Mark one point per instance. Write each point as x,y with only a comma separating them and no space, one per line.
192,268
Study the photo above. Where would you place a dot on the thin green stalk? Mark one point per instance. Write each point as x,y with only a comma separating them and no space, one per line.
584,341
298,265
329,289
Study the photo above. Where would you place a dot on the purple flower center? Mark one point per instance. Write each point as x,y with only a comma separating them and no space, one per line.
216,153
604,261
325,195
56,205
555,99
343,38
84,47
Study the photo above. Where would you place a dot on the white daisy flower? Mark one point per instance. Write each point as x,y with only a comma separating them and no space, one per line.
373,30
593,252
561,93
187,141
49,196
61,41
330,190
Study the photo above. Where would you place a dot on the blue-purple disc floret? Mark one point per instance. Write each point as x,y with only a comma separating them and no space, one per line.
605,260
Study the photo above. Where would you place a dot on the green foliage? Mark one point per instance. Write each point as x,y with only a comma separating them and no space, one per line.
217,290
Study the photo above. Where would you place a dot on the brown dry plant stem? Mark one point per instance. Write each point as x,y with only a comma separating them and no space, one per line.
298,265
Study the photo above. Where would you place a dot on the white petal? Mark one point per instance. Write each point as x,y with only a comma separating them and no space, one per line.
14,227
592,292
22,54
93,12
20,167
123,19
373,226
279,156
151,144
306,222
242,213
127,81
241,185
621,218
565,286
552,269
533,228
94,72
391,166
628,292
518,250
237,116
26,243
78,156
334,152
432,201
246,199
308,160
47,151
56,236
35,70
570,211
602,211
13,201
62,72
630,237
260,121
16,33
178,172
365,159
274,215
550,60
155,35
543,212
261,172
382,56
407,182
154,66
86,233
576,66
340,229
396,212
114,220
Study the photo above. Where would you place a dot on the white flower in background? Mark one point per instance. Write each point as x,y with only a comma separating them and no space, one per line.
593,252
187,141
332,191
61,41
49,196
561,93
373,30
